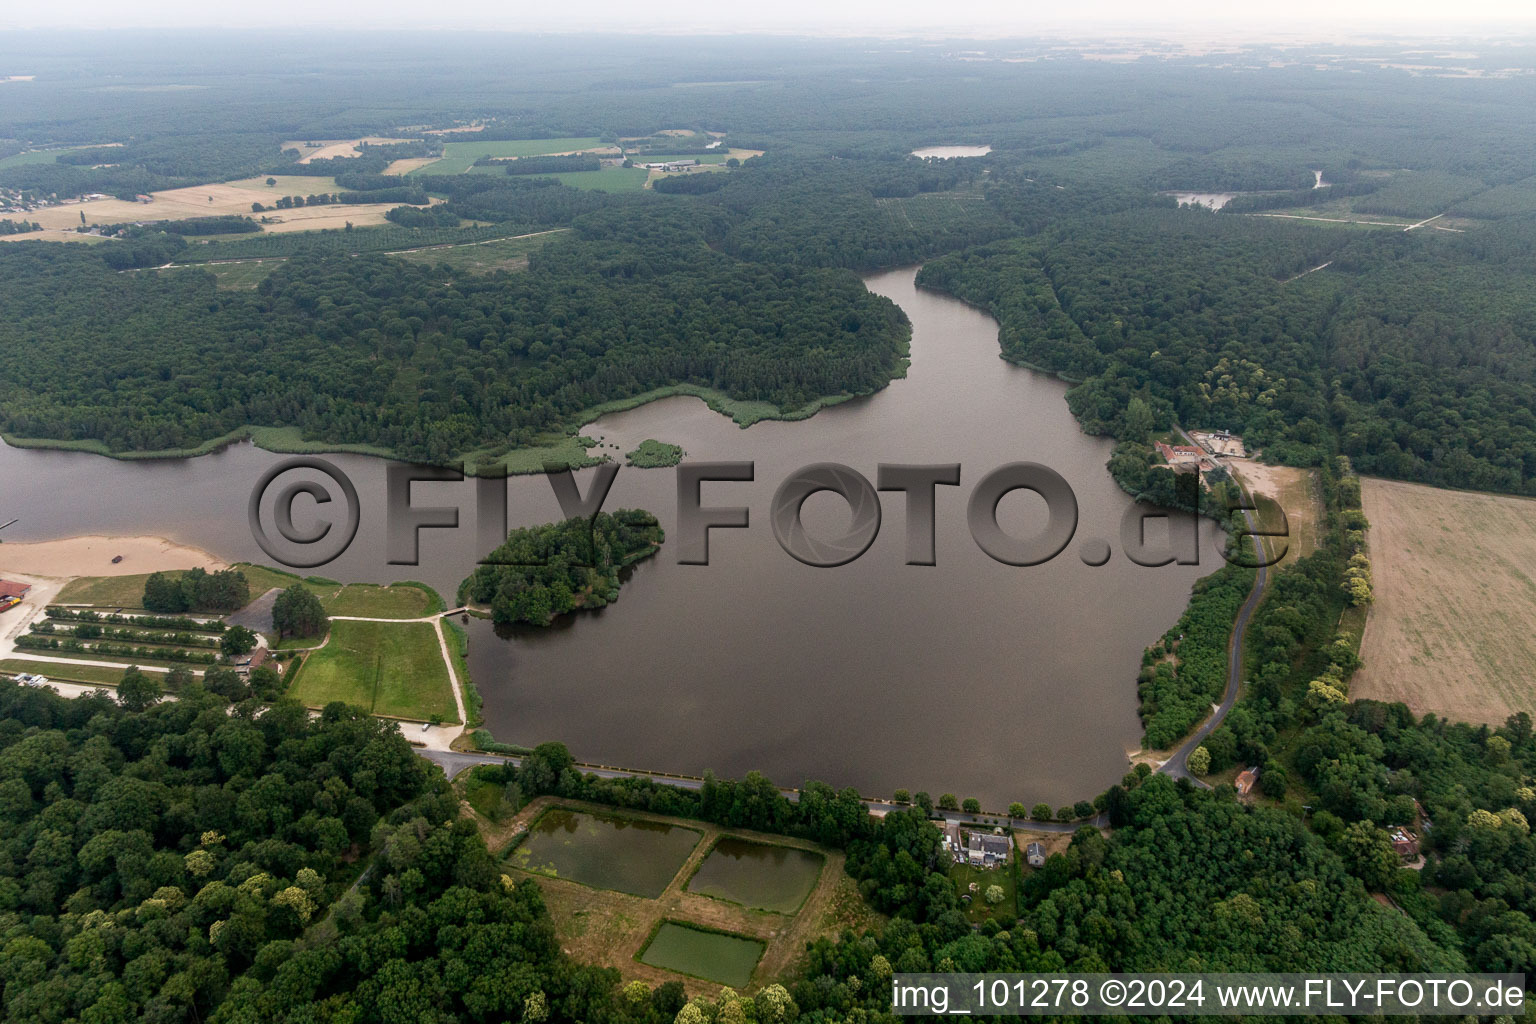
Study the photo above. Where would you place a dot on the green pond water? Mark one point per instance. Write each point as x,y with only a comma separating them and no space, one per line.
759,875
605,851
727,959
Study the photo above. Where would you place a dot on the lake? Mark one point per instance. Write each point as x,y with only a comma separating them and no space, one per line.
949,152
970,676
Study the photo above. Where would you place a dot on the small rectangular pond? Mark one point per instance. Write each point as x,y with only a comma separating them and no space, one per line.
758,875
713,956
605,851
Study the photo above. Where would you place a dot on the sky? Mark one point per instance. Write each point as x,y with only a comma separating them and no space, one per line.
1323,18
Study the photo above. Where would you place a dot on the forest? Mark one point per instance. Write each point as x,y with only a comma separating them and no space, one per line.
408,357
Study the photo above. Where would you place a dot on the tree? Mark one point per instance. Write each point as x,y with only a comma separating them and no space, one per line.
138,691
163,593
971,805
1041,812
1064,814
271,181
901,796
948,802
297,612
1368,853
1083,809
1199,760
237,640
994,894
1139,420
1017,810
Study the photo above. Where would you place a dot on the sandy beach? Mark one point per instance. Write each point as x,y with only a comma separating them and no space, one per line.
92,556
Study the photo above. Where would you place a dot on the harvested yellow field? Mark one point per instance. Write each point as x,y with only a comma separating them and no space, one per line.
232,197
1453,626
51,235
316,218
326,149
408,164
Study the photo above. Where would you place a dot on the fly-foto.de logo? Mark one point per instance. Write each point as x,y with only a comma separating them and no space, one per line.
336,501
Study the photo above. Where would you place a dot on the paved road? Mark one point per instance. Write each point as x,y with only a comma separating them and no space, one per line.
1177,766
453,761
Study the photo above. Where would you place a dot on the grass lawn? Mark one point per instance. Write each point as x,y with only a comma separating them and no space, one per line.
364,600
382,667
90,674
106,591
486,796
978,910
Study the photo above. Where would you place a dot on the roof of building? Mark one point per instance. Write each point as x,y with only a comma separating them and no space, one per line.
1245,779
988,844
9,589
1034,848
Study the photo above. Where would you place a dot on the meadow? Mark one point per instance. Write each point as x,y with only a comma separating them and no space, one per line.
385,668
459,157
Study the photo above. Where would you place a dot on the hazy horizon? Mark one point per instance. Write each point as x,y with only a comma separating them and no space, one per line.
1309,19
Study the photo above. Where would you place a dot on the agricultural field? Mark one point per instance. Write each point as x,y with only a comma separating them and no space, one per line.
758,875
459,157
385,668
1452,628
631,932
233,198
327,149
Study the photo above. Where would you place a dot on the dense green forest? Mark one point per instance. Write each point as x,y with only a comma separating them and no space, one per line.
378,351
545,571
1414,355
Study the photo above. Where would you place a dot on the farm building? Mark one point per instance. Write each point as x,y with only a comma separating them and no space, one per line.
1034,853
16,590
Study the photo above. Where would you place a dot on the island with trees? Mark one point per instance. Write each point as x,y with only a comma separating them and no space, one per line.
542,572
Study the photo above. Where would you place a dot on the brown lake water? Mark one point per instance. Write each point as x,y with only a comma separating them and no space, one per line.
970,676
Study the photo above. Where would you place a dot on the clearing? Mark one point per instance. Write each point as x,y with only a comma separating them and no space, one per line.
1453,626
395,669
1296,491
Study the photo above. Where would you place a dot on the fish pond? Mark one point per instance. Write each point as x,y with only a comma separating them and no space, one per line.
605,851
713,956
758,875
